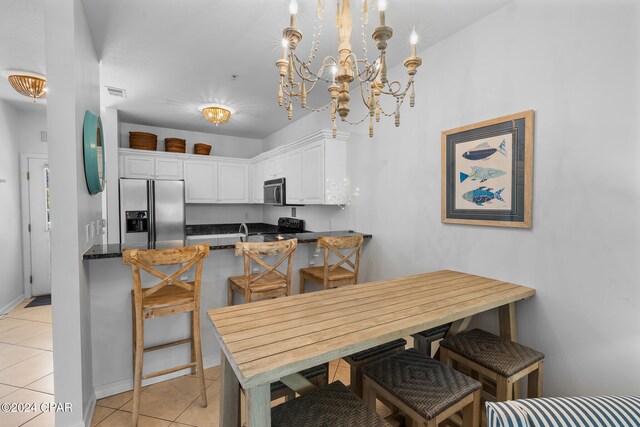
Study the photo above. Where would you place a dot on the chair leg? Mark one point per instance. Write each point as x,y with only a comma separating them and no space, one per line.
504,389
368,394
301,282
137,366
356,379
534,387
230,294
471,412
193,346
195,325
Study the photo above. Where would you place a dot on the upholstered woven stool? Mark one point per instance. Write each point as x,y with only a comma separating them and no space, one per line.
317,375
423,341
427,391
357,360
334,405
496,358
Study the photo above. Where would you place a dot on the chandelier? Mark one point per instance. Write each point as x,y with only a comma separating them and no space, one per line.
29,84
297,79
216,114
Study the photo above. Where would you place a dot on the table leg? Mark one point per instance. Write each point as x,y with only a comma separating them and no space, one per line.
229,395
507,315
456,327
258,401
299,384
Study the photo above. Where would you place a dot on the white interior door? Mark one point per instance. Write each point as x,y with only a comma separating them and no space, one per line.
39,221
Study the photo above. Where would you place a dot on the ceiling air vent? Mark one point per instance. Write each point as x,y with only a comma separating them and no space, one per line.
116,91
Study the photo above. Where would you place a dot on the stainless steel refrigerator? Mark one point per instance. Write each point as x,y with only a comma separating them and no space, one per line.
151,211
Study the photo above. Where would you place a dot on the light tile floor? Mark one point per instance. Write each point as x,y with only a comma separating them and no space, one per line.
26,364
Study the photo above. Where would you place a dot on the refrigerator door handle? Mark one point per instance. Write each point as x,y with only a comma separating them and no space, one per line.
152,212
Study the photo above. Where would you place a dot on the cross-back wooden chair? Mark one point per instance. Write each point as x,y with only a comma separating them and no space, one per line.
342,272
170,296
270,282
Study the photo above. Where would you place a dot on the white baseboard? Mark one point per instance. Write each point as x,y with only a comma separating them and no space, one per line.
88,412
7,308
121,386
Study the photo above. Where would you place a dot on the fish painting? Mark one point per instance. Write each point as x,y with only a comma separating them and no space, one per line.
481,174
482,195
483,151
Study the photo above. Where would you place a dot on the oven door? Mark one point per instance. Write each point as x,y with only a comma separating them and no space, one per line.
274,192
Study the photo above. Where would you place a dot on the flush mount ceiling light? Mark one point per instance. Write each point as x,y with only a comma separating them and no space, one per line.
215,113
297,79
29,84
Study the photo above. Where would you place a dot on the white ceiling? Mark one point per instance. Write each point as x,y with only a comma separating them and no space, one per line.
172,56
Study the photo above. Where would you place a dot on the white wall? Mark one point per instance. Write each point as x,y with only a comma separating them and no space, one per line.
72,77
11,288
222,145
576,64
30,121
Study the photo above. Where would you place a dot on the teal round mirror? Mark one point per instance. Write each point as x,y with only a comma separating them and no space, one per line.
93,152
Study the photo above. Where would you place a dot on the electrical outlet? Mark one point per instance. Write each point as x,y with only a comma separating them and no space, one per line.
99,227
246,215
293,212
330,224
88,227
92,230
103,225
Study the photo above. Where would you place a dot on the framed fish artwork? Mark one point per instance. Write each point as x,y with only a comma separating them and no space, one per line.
487,172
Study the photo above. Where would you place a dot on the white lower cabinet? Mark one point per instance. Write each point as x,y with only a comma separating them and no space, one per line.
233,182
201,181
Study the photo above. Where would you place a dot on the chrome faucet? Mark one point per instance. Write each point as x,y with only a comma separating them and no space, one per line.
246,231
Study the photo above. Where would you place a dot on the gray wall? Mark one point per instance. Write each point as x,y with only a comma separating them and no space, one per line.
576,64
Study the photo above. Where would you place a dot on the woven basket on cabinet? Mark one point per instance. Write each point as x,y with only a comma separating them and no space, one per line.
143,141
203,149
175,145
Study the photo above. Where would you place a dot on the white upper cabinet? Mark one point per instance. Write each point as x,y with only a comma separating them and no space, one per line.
233,182
258,180
169,169
274,168
293,175
201,181
141,167
312,173
150,166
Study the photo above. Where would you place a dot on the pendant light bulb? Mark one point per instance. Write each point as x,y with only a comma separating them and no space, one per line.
413,39
382,5
293,7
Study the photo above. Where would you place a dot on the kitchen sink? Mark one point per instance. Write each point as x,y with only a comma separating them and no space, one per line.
216,236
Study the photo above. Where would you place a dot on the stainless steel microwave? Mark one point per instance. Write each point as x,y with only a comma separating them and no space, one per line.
275,192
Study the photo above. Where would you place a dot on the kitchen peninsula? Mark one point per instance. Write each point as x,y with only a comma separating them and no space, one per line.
111,299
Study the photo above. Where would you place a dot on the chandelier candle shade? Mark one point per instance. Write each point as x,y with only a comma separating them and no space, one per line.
29,84
216,114
297,79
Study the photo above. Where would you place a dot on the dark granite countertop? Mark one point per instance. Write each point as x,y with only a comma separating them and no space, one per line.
115,250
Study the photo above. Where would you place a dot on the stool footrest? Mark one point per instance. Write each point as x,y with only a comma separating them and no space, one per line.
168,371
167,345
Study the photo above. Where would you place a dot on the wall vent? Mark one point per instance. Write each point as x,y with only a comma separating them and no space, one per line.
116,91
43,136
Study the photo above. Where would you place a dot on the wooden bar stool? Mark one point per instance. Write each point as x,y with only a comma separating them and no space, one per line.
503,361
332,406
425,390
334,275
269,283
170,296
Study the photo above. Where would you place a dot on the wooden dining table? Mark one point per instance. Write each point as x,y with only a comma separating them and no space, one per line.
273,340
